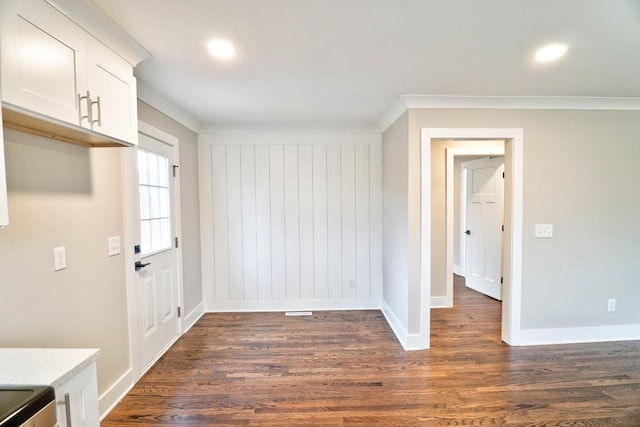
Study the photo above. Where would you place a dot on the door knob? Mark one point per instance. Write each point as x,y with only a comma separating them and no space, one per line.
140,265
468,232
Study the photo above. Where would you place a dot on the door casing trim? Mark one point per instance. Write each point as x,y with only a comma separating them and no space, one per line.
514,153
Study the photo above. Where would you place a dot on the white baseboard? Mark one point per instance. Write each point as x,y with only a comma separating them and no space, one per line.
395,324
440,302
414,342
191,318
293,305
408,341
114,394
579,335
458,270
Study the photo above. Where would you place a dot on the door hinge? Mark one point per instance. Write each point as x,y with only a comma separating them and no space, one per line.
502,229
501,280
179,312
175,170
177,243
502,174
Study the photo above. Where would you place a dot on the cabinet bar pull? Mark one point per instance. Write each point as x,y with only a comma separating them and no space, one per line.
88,116
99,121
81,98
67,408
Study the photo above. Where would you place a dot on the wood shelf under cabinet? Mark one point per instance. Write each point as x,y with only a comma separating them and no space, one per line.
29,123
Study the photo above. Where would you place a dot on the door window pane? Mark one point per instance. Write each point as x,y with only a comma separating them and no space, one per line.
145,213
154,179
143,167
154,202
155,211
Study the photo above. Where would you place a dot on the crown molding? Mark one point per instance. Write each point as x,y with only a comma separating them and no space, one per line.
293,129
94,21
407,102
394,112
150,96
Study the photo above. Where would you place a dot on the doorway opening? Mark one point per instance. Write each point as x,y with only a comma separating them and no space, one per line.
431,246
454,237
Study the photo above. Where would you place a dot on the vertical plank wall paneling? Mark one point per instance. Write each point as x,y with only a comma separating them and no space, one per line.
294,221
278,242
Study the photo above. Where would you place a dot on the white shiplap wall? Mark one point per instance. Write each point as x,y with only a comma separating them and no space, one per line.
291,221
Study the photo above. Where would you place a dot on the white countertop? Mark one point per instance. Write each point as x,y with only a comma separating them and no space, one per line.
43,366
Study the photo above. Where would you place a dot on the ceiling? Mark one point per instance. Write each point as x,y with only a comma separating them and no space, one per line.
345,62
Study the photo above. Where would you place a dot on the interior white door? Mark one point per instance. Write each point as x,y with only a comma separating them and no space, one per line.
156,268
484,220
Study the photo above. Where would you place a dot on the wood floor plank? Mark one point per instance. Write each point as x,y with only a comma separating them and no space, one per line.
347,368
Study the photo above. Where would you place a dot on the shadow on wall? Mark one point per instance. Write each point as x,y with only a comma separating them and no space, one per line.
44,165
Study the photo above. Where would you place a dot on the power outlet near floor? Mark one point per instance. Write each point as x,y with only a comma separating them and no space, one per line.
611,305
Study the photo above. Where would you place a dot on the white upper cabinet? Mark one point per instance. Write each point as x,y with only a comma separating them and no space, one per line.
55,71
41,58
114,110
4,208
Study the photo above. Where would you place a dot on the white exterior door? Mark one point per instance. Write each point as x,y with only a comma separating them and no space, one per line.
484,220
157,296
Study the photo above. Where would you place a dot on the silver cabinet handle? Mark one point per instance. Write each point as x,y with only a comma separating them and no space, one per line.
67,408
99,121
81,98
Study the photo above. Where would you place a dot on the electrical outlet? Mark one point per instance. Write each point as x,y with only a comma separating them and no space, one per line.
59,258
114,245
352,284
611,305
544,231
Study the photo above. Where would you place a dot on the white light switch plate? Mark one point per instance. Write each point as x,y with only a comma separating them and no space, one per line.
544,231
59,258
114,245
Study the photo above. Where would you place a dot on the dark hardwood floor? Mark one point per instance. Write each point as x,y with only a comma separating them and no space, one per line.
338,368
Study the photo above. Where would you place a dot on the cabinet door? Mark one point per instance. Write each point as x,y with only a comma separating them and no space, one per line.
83,399
111,79
4,208
43,62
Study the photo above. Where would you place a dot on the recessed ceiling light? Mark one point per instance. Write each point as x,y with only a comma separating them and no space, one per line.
221,49
551,52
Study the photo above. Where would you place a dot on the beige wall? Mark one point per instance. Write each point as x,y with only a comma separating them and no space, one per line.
580,174
190,213
64,195
395,218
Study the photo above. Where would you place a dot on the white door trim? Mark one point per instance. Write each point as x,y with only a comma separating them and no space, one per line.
474,148
512,304
131,206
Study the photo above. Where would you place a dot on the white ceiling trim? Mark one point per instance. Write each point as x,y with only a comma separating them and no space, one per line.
407,102
98,24
287,129
150,96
